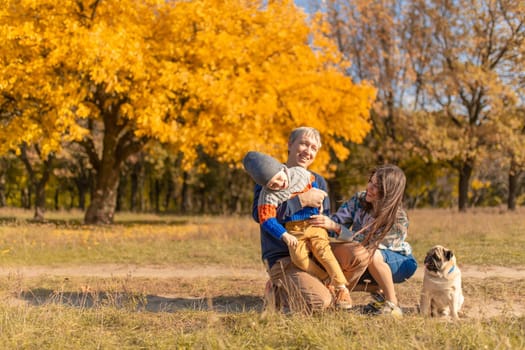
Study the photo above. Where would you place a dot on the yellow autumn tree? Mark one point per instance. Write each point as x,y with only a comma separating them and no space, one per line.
222,76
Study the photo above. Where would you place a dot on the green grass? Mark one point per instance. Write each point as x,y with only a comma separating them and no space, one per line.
203,240
137,312
62,327
481,237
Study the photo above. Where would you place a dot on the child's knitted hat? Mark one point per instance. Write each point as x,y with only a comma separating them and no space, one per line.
261,167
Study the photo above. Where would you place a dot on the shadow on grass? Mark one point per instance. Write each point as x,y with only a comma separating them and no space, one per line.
79,223
139,302
156,303
407,310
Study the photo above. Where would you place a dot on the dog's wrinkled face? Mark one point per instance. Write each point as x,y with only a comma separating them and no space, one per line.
437,258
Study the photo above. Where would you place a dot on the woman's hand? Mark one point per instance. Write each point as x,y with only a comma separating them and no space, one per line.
324,222
290,240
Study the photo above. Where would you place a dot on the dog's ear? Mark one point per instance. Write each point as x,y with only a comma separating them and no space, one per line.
449,254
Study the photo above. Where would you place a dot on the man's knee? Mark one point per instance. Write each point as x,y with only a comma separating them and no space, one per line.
321,302
326,302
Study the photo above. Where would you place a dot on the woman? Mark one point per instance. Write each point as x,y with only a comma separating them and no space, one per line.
376,220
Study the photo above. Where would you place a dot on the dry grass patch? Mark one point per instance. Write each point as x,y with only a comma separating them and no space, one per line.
479,237
202,309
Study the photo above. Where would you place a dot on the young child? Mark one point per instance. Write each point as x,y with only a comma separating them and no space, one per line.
279,184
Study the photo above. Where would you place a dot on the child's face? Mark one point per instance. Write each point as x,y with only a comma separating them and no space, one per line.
278,182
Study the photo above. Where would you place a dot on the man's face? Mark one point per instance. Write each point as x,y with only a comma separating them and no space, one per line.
302,151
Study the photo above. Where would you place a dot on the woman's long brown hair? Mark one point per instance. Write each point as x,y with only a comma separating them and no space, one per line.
391,182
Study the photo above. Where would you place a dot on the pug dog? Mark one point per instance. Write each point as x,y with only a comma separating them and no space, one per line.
441,295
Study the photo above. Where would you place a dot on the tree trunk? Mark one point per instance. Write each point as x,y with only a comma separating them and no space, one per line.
185,195
25,197
157,188
81,195
121,193
170,190
39,185
118,144
56,199
102,207
137,185
204,205
40,204
513,188
72,196
101,210
2,190
464,178
40,195
84,185
514,174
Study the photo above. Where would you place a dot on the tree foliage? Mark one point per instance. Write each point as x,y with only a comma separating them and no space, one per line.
447,72
473,75
220,76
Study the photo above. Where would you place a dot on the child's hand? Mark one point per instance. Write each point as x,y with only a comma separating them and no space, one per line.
290,240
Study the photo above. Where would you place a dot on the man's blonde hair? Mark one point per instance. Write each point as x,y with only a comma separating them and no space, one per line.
304,130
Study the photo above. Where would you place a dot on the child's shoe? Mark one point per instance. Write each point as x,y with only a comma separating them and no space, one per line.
342,298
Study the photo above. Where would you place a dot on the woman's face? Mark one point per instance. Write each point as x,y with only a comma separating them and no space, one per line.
373,193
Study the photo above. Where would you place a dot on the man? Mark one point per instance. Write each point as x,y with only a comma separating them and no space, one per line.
296,289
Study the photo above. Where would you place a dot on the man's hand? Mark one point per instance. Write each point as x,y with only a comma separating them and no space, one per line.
290,240
312,198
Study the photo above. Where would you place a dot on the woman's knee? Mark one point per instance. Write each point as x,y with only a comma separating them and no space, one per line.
378,259
405,270
410,267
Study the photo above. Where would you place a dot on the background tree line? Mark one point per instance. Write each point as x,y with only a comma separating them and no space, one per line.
450,102
97,115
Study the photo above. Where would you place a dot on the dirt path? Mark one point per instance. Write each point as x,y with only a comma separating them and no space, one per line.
117,270
476,307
